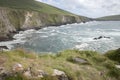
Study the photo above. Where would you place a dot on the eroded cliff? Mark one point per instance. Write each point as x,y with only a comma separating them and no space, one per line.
12,20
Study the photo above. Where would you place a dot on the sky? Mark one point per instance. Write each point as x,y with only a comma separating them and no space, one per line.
89,8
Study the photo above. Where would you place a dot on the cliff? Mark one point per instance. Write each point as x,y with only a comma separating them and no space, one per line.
18,15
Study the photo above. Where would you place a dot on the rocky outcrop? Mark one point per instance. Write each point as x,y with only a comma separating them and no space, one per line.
13,20
100,37
17,67
60,75
78,60
29,73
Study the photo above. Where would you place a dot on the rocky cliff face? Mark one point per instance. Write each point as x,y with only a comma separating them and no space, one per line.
12,20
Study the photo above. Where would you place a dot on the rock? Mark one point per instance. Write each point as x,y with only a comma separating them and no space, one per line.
80,60
27,74
34,73
2,60
17,67
2,70
100,37
60,75
117,66
4,47
41,74
5,37
4,73
57,72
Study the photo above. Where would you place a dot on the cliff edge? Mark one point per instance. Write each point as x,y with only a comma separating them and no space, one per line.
18,15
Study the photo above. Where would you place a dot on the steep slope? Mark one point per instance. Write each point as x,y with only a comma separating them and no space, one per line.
32,5
110,18
18,15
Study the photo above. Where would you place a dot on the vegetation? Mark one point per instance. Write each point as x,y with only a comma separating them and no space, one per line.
110,18
99,67
18,15
114,55
33,5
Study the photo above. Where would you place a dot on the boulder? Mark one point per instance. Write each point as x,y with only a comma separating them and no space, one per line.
4,47
60,75
117,66
58,72
2,60
4,73
34,73
80,60
100,37
2,70
41,73
27,74
17,67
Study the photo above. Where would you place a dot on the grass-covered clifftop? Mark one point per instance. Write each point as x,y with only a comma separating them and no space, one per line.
33,6
25,14
109,18
72,65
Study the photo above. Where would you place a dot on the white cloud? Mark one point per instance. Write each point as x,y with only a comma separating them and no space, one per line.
90,8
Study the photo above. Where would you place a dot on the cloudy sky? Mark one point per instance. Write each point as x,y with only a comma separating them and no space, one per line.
89,8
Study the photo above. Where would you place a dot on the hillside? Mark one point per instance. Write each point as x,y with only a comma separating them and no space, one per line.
110,18
18,15
67,65
33,6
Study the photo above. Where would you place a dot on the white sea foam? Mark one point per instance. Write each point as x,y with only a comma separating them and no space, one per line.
114,34
44,36
19,38
45,28
52,34
60,32
28,32
87,40
10,44
81,46
40,32
82,34
89,23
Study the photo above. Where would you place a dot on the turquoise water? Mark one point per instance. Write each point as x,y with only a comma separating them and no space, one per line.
72,36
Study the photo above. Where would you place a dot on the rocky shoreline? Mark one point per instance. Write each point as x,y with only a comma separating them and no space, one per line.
15,20
9,36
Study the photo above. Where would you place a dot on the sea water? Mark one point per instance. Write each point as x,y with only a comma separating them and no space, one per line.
71,36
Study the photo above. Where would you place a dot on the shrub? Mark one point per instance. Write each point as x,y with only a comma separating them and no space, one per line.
114,55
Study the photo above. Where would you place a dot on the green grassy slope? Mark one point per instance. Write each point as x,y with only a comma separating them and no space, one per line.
98,66
33,5
110,18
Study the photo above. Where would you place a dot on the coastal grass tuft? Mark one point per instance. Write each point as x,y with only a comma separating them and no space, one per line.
114,55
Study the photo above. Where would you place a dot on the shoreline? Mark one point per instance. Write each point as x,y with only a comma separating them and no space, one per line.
10,39
9,36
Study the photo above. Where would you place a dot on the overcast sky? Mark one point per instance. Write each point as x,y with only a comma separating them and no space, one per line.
89,8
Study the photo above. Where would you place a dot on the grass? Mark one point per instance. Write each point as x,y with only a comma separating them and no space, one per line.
47,62
33,5
114,55
110,18
15,11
